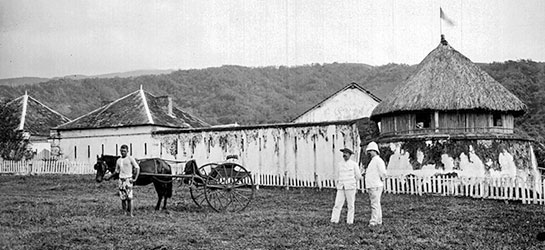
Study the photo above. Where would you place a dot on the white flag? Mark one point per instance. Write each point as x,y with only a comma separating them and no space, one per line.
445,18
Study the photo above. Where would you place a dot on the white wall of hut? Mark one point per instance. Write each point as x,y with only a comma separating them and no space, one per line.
448,122
506,163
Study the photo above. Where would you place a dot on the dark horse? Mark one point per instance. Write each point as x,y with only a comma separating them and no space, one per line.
162,184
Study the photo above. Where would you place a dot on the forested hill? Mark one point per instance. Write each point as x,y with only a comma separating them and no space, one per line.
222,95
230,94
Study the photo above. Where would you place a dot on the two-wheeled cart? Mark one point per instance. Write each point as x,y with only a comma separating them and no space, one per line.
224,186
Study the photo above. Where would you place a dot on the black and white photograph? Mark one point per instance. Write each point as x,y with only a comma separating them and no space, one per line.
272,124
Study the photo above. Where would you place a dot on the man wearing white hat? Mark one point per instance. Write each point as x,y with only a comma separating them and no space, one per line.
374,174
346,175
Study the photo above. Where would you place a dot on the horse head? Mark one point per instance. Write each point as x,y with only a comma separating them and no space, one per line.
104,164
101,167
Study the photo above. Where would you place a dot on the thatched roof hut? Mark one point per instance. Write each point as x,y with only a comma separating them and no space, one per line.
448,93
447,80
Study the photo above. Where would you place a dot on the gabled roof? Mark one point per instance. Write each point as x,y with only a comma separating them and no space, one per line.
135,109
447,80
352,85
35,117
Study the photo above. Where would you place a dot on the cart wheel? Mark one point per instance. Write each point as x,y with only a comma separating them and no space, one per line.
229,187
197,188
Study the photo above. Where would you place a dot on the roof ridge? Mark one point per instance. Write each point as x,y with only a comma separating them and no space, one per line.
50,109
146,107
104,107
12,101
23,112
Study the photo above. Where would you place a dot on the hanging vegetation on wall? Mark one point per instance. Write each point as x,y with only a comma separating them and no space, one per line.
487,150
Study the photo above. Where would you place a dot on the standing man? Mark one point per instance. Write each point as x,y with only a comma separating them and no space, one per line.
124,167
375,173
346,175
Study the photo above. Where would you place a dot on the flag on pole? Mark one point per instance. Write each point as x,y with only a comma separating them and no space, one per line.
445,17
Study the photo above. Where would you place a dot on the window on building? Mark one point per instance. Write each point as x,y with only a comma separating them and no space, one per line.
423,120
130,149
116,150
496,118
145,148
75,152
88,151
102,151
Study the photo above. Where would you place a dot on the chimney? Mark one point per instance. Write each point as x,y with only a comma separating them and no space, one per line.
165,102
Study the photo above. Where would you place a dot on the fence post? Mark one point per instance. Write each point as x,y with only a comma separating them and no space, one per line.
542,189
420,183
534,189
286,180
523,192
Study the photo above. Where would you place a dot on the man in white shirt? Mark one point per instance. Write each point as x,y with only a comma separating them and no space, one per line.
346,175
374,175
124,166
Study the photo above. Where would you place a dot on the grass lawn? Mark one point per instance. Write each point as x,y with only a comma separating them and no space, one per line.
74,212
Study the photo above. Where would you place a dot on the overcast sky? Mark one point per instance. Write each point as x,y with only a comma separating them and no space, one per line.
47,38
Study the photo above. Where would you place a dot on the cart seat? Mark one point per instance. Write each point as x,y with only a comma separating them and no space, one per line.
229,170
191,168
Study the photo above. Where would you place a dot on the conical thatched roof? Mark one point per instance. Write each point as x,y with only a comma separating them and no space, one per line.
447,80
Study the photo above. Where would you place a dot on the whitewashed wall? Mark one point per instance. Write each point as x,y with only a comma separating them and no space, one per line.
349,104
467,165
84,145
305,153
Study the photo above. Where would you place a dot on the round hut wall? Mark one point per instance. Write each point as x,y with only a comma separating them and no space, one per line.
442,122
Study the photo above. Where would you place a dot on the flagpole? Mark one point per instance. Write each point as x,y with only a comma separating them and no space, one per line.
440,22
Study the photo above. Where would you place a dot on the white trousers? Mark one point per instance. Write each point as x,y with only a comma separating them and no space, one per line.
350,197
376,210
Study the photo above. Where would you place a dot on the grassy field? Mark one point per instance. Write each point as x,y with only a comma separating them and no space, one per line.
74,212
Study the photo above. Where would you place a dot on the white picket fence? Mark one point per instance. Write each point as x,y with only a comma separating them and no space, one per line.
45,167
505,188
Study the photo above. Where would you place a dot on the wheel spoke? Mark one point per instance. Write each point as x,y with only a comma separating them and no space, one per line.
229,187
198,195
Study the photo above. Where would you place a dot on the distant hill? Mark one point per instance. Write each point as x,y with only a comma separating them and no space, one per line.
13,82
33,80
135,73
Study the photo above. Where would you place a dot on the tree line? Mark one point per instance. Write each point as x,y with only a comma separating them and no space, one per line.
244,95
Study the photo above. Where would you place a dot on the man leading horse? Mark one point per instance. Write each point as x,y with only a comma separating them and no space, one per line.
147,169
124,167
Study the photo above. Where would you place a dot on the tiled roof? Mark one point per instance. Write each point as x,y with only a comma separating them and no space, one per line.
135,109
35,117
